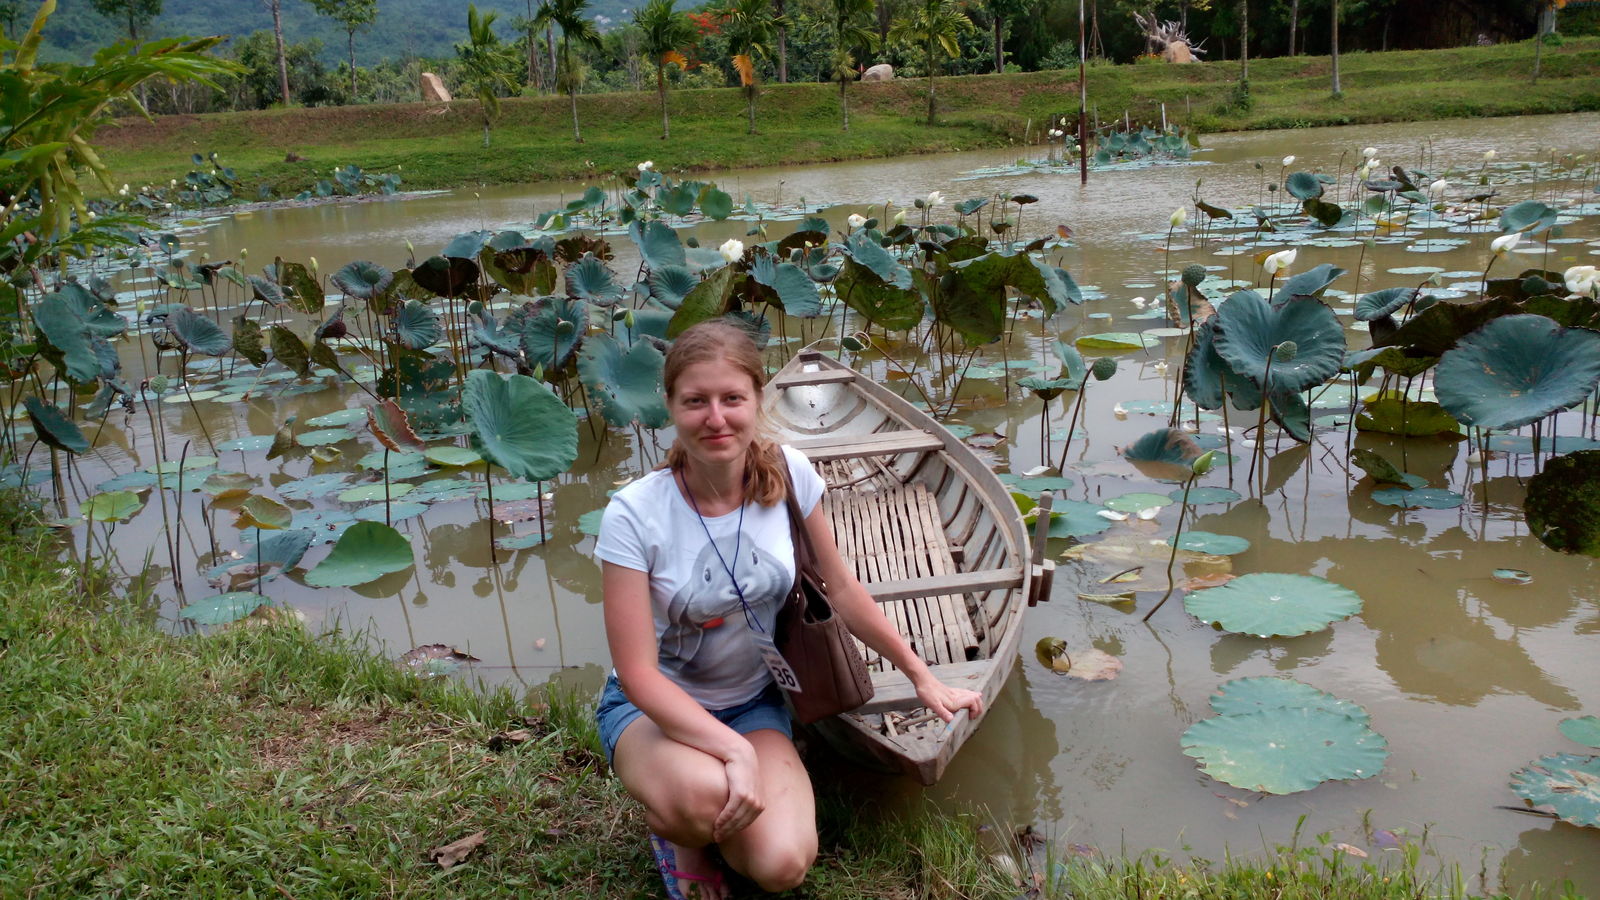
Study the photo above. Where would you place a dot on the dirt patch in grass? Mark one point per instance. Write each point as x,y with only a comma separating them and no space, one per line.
294,731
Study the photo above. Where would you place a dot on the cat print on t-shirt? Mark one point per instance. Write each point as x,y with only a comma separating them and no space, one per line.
707,635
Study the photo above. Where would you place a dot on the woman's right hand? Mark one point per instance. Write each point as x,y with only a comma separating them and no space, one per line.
744,794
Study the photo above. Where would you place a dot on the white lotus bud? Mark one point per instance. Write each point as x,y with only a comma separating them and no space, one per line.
1370,152
1438,188
900,217
1583,280
1288,161
243,253
856,220
1375,164
1505,242
935,198
1281,260
646,166
1489,155
313,266
1178,217
732,249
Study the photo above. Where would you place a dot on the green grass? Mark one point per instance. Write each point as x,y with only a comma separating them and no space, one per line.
259,761
440,146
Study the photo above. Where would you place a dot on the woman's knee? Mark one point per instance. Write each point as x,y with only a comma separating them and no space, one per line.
784,868
688,804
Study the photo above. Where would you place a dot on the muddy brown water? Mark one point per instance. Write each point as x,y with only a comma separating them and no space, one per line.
1466,677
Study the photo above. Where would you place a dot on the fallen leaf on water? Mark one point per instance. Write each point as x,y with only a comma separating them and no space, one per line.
435,659
1234,800
1353,851
1208,580
1124,597
1512,576
986,440
539,644
452,854
1385,839
1094,665
1125,575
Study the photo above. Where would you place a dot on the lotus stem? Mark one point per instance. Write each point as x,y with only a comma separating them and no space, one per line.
1172,558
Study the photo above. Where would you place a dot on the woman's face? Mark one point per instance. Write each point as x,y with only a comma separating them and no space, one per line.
715,406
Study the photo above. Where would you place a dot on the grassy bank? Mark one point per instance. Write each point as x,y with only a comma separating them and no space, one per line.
440,145
259,761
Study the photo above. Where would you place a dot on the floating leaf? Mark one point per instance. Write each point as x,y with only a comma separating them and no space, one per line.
1274,604
376,491
1584,730
1248,695
112,506
1076,519
1511,576
1117,341
1516,370
589,522
1214,544
521,541
1285,750
365,552
1201,496
1383,471
1134,502
520,425
1563,503
223,608
321,436
264,512
1416,418
1566,784
452,456
1418,498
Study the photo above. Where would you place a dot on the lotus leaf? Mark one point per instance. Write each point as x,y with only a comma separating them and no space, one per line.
186,464
1310,283
1164,445
223,482
1391,415
1272,604
365,552
1516,370
1382,303
445,276
248,341
1201,496
266,291
550,331
521,541
223,608
389,424
423,386
626,382
670,284
1304,185
391,512
466,245
797,293
1076,519
1248,695
64,330
321,436
520,425
1383,471
1048,389
280,549
1209,380
884,305
1566,784
1531,216
1214,544
304,293
1327,214
709,300
658,244
678,199
1139,500
288,349
91,308
112,506
376,491
363,280
1437,328
589,522
53,426
1117,341
1250,331
247,443
1418,498
865,251
1285,750
264,513
1563,503
1077,369
452,456
338,417
417,326
589,279
1584,730
715,204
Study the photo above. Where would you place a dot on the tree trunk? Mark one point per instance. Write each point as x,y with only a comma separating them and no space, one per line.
783,46
844,103
883,22
1338,90
486,132
572,95
930,83
661,89
750,105
1294,23
999,45
352,34
283,63
533,54
1244,39
550,43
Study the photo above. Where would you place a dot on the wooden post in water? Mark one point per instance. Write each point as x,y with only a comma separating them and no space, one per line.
1083,103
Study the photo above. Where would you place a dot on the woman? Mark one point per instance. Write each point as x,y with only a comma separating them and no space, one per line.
698,556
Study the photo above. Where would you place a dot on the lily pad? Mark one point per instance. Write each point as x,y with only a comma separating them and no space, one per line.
369,492
1416,418
1285,750
1563,503
321,436
1214,544
452,456
1076,519
1516,370
247,443
1566,784
1584,730
1248,695
520,425
1418,498
393,512
223,608
112,506
521,541
1201,496
339,417
1139,500
366,552
1274,604
589,522
1117,341
1383,471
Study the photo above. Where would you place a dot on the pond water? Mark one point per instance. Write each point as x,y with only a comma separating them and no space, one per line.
1466,676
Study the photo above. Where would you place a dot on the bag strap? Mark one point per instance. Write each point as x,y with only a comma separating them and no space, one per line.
805,555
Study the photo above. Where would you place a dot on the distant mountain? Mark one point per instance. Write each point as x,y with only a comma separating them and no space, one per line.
403,27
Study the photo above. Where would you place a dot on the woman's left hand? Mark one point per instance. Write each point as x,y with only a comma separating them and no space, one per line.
944,700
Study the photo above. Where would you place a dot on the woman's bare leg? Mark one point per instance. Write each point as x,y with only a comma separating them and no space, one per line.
779,847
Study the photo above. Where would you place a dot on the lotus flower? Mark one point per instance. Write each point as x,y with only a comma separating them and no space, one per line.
646,166
1583,280
1375,164
1489,155
1288,161
935,198
313,266
1505,242
1281,260
1370,152
899,218
856,220
1178,217
732,249
1438,188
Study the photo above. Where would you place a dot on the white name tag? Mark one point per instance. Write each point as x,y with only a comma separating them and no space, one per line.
781,673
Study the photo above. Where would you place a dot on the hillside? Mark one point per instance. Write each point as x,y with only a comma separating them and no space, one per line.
404,27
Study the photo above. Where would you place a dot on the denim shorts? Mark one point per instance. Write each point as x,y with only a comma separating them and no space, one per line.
765,710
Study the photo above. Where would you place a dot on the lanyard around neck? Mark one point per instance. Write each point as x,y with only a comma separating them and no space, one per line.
749,614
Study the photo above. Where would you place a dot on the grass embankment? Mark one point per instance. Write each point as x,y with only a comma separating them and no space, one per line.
439,146
262,762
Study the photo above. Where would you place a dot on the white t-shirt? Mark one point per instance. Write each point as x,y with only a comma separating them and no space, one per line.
705,643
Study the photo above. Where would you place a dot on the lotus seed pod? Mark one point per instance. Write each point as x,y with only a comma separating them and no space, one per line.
1193,275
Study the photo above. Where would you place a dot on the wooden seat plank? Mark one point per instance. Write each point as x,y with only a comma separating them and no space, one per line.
893,690
882,443
805,378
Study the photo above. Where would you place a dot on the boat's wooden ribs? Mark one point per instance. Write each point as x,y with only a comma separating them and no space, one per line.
804,378
855,446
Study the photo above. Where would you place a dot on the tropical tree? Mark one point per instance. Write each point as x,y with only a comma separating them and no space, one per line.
665,33
1000,13
486,64
851,21
568,15
351,15
542,17
1338,89
781,23
1244,40
933,25
275,7
749,27
1546,24
137,13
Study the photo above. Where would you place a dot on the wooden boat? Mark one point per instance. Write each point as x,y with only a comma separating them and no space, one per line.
933,535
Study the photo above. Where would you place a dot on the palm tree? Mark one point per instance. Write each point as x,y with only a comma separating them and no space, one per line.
665,33
569,16
749,27
851,29
486,64
934,25
542,17
1338,89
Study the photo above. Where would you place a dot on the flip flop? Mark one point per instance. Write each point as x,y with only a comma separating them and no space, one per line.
667,865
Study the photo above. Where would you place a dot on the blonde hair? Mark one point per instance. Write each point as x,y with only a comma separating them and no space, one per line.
766,470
